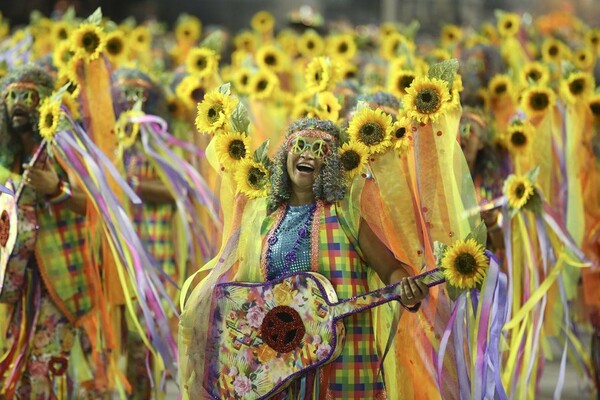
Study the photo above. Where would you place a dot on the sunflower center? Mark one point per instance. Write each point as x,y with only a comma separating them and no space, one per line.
261,85
500,89
400,132
114,46
350,160
595,108
201,63
186,32
508,25
318,76
172,107
371,133
49,120
539,101
427,101
577,86
244,80
519,191
582,57
534,75
270,59
518,139
213,113
72,88
237,149
197,94
343,47
90,42
255,177
404,82
310,45
62,34
553,51
465,264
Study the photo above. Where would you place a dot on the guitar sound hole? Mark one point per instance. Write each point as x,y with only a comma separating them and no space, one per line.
282,329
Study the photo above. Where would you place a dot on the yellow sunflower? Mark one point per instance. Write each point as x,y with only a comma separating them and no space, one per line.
489,31
482,99
535,72
262,84
49,118
373,128
396,45
116,47
88,42
140,38
304,110
584,58
232,148
263,22
214,112
329,106
288,39
518,136
252,178
190,91
592,39
508,24
341,46
270,57
593,105
401,135
577,87
126,131
400,80
553,50
426,99
188,29
500,85
451,34
241,80
347,70
202,62
65,76
246,41
62,54
537,99
354,156
465,264
321,74
310,44
60,31
518,189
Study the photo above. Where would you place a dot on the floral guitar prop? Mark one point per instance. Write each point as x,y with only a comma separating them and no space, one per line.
264,335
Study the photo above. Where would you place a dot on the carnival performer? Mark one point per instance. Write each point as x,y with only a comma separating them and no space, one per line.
45,282
305,225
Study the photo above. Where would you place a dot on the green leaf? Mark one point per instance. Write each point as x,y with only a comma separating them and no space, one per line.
95,18
445,70
453,291
535,203
239,118
214,41
361,105
58,94
439,249
69,15
513,212
533,174
225,89
410,30
261,153
479,234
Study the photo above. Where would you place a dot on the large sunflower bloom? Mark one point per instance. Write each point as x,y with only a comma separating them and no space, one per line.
263,22
373,128
500,85
202,62
553,50
508,24
232,148
518,190
88,42
400,80
60,31
116,47
341,46
577,87
214,112
518,136
465,264
262,84
310,44
426,99
354,156
49,118
538,99
535,72
271,58
252,178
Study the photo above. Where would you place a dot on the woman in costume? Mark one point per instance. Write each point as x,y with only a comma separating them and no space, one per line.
306,224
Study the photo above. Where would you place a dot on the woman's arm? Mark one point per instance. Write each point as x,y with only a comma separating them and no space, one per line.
389,269
153,191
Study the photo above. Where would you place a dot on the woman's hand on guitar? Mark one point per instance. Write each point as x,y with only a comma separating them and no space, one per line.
412,291
43,179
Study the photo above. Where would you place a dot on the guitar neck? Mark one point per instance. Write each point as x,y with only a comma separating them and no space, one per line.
383,295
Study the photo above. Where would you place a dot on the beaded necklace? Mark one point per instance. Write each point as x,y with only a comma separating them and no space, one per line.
291,259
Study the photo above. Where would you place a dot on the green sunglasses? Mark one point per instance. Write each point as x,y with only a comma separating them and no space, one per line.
318,148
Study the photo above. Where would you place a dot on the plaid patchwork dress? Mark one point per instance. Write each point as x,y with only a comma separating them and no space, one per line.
354,374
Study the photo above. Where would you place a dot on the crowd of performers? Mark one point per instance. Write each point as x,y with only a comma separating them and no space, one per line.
141,166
